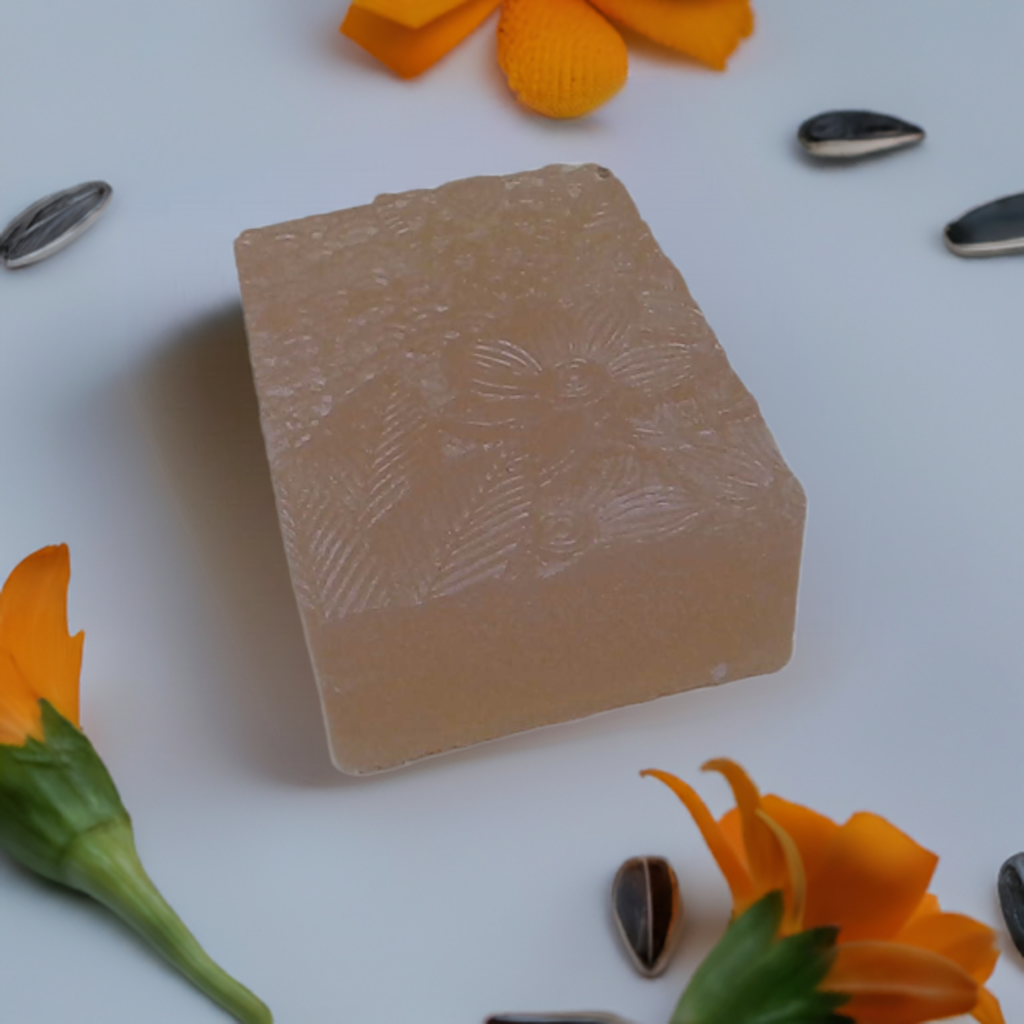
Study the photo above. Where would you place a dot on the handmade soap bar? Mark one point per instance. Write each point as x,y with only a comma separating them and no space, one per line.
518,481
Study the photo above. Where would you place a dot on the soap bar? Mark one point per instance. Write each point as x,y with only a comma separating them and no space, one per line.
517,479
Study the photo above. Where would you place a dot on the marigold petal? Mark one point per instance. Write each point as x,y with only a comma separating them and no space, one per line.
736,876
410,13
796,884
765,857
706,30
410,51
987,1010
928,905
562,59
731,825
810,830
20,714
891,983
34,632
957,937
872,878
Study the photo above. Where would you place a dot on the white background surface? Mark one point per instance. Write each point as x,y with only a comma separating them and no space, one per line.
889,371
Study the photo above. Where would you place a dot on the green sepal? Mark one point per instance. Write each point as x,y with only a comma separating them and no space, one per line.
53,792
61,816
754,977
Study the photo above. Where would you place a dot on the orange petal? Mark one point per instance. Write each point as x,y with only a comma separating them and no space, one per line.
796,877
410,51
810,830
988,1010
871,880
929,905
731,825
889,983
561,58
410,13
20,715
735,873
34,632
765,858
957,937
706,30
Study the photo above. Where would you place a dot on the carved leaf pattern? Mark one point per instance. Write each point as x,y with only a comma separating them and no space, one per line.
387,441
342,565
467,523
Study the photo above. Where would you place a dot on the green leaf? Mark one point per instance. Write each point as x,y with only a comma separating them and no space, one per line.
754,977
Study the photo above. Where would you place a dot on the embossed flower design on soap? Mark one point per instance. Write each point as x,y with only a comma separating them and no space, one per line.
569,382
545,441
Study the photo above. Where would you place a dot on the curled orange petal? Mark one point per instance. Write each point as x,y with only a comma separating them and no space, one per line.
872,878
562,59
410,51
38,659
765,857
957,937
410,13
706,30
796,881
740,884
891,983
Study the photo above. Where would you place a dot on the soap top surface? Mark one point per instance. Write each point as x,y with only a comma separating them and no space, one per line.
481,386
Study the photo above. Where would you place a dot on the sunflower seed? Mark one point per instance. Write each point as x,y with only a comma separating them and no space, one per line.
845,134
52,223
580,1017
993,229
647,912
1011,898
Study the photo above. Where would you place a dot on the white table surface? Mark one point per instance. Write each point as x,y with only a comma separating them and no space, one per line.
889,371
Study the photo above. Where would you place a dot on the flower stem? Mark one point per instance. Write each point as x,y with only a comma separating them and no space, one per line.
103,863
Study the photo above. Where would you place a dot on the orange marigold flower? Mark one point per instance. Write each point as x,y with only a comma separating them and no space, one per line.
900,958
562,58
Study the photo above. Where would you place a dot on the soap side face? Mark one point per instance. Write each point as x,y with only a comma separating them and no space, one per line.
518,481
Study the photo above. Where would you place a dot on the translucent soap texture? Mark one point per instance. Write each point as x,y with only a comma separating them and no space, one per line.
518,481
